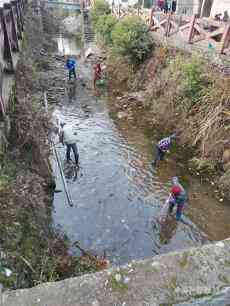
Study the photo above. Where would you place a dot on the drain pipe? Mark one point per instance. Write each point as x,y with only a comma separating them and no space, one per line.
68,196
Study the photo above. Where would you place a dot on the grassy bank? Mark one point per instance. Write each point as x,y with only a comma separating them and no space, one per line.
177,92
32,250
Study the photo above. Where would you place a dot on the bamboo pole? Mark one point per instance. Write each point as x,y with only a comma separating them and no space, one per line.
70,201
68,196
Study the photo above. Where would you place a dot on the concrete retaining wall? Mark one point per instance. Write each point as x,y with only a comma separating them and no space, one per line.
162,280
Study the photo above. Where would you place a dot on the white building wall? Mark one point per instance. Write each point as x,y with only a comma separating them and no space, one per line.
185,7
197,6
219,6
188,7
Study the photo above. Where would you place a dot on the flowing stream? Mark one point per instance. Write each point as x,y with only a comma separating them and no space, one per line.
117,195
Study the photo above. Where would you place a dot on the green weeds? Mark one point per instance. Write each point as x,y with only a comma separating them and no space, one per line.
128,37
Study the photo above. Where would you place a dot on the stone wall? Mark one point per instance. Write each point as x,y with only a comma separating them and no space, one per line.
198,274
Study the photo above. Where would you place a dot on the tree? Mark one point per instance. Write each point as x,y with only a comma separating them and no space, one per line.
104,26
132,39
100,8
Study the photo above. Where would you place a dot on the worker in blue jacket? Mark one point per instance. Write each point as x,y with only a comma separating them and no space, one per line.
70,65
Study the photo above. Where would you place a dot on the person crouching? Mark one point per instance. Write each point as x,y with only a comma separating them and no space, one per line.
178,197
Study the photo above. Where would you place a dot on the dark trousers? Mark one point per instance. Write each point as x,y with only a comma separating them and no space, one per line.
159,155
179,209
72,72
166,8
174,6
72,146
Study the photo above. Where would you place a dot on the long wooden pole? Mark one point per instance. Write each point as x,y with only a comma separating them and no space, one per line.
225,39
68,196
191,29
70,201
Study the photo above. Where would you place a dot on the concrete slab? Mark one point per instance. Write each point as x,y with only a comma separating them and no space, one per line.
162,280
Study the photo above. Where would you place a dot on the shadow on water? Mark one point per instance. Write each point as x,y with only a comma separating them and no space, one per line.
117,195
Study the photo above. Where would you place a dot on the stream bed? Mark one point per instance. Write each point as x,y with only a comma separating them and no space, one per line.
117,195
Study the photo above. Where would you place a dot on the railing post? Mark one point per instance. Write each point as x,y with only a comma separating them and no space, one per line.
191,29
19,21
15,46
167,31
225,39
151,17
7,53
20,10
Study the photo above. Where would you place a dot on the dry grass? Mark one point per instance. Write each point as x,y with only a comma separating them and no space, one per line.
186,95
211,126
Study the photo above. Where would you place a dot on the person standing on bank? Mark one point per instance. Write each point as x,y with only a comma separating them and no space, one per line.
68,137
162,147
166,7
173,6
160,4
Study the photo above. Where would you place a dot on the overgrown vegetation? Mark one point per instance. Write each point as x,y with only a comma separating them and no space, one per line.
100,9
185,94
8,171
104,28
131,39
127,37
31,250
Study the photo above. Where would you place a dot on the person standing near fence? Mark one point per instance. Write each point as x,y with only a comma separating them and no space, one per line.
160,4
173,8
166,6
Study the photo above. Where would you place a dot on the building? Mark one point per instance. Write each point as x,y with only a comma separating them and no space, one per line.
204,8
219,6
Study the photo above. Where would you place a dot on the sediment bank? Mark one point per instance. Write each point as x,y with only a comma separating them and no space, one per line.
172,91
32,250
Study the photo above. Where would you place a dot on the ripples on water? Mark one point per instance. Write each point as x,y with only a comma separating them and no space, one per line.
117,195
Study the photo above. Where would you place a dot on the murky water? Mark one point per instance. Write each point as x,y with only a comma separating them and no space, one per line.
220,299
117,195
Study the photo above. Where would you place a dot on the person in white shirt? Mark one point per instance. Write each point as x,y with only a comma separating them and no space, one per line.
68,137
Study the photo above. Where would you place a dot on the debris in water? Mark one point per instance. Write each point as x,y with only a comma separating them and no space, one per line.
118,277
126,280
88,53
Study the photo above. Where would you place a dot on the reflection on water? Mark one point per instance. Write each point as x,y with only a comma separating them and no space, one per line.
118,196
67,46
